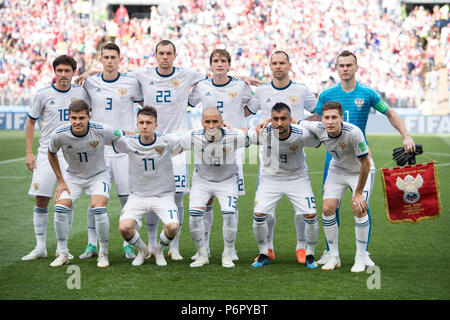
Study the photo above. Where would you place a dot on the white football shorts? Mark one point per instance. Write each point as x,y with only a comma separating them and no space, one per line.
240,153
118,173
97,185
271,190
225,191
163,206
181,172
337,183
44,180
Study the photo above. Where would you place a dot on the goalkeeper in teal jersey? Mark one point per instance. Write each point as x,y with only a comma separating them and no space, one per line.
356,100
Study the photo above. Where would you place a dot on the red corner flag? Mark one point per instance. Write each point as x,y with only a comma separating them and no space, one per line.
411,193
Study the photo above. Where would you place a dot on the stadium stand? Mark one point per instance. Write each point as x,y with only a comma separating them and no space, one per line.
403,53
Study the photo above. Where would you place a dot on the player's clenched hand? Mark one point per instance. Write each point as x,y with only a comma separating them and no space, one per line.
62,186
30,161
260,126
359,204
227,125
409,145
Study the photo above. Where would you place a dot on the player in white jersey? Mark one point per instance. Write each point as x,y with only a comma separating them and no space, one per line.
50,105
299,98
215,174
349,168
113,97
284,172
82,143
234,99
166,88
151,182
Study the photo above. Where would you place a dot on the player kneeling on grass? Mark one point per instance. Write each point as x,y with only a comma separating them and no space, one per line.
152,184
215,174
82,143
349,168
284,172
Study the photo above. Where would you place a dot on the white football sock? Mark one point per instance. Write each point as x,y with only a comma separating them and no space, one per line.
151,223
300,229
70,219
137,242
61,223
180,207
208,218
90,221
229,230
197,230
312,234
123,201
260,230
331,231
271,220
102,228
362,226
163,241
40,221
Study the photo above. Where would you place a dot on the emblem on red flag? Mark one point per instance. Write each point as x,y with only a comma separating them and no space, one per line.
411,193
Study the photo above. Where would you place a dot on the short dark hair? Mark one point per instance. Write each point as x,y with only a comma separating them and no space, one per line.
280,106
78,106
347,53
220,52
110,46
280,52
333,105
148,111
165,43
65,60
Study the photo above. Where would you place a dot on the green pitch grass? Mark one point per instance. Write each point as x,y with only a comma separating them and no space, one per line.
413,260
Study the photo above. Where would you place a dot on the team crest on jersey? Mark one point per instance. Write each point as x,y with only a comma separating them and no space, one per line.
93,144
232,94
293,148
342,145
293,99
122,92
159,149
175,83
359,102
36,186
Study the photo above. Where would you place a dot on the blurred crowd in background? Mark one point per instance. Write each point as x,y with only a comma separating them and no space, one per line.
396,47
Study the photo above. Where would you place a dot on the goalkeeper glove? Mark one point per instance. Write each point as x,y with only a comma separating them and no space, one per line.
401,157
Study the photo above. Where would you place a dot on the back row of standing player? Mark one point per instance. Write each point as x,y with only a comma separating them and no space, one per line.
112,96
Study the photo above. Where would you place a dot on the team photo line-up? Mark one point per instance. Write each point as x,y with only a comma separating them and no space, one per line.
88,137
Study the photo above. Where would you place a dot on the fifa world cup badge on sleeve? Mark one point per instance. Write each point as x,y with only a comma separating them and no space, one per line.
411,193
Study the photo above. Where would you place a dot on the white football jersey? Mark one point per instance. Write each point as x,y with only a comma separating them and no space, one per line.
112,102
284,158
150,165
345,149
52,106
214,161
168,95
85,155
230,98
296,95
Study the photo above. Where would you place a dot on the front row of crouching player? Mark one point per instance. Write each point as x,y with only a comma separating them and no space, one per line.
283,171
